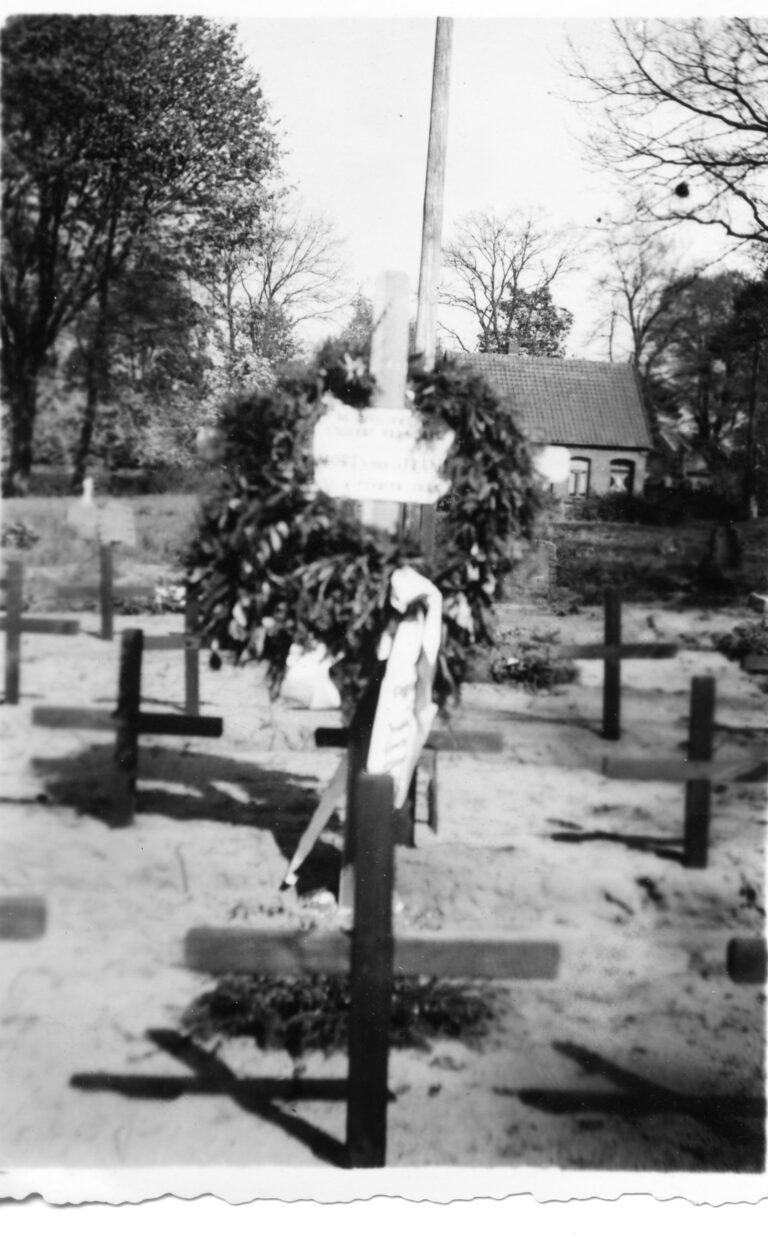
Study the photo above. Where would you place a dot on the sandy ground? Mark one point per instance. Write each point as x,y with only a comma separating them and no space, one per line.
642,1055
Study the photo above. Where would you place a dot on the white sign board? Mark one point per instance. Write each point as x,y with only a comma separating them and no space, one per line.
378,454
117,524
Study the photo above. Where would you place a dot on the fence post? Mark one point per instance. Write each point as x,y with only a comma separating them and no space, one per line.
105,589
370,971
126,754
191,657
612,671
14,601
698,794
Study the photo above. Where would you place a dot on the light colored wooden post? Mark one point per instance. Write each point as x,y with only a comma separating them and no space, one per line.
432,228
389,366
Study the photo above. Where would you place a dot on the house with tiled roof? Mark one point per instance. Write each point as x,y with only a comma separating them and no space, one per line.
592,408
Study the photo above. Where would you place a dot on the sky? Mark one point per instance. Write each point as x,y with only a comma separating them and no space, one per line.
351,98
350,95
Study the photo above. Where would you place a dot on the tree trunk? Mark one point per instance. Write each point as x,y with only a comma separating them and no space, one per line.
97,372
23,411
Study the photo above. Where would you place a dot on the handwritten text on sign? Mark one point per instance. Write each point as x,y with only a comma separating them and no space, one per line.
378,454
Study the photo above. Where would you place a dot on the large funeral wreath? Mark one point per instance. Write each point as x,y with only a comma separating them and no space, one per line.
278,563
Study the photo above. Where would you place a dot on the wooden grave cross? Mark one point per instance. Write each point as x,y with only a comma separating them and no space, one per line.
358,455
372,956
612,652
106,590
697,770
190,641
15,623
128,722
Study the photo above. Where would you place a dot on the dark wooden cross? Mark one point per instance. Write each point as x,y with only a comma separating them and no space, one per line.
16,622
190,641
128,723
372,956
697,770
106,590
612,652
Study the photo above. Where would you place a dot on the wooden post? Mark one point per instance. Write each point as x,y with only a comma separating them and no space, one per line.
126,754
389,366
22,917
191,657
371,973
747,960
106,574
612,674
432,227
698,793
14,600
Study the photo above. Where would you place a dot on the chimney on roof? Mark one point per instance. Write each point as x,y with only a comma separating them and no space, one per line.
514,348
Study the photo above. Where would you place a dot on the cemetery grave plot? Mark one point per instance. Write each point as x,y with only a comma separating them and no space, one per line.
641,1055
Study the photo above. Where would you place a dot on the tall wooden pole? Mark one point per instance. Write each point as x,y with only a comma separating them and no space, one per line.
434,193
432,228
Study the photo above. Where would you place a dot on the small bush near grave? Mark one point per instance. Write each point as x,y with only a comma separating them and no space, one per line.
18,536
744,639
311,1013
534,670
528,661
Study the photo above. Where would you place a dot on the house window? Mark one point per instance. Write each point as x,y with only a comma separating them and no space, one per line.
578,481
622,477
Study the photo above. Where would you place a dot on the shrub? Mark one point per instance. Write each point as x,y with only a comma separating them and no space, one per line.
312,1013
744,639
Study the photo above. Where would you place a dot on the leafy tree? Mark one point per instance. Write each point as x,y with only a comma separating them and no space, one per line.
159,366
111,125
356,335
644,291
266,268
685,110
538,326
501,272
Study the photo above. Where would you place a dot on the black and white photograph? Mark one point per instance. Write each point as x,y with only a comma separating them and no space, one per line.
384,605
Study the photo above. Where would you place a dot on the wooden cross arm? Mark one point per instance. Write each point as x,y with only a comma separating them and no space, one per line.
438,741
219,951
180,724
613,652
146,723
175,640
54,627
680,770
756,662
89,592
22,917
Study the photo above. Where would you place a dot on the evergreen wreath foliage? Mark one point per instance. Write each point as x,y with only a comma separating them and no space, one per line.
278,563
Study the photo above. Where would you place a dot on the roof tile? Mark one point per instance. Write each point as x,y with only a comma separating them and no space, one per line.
567,401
